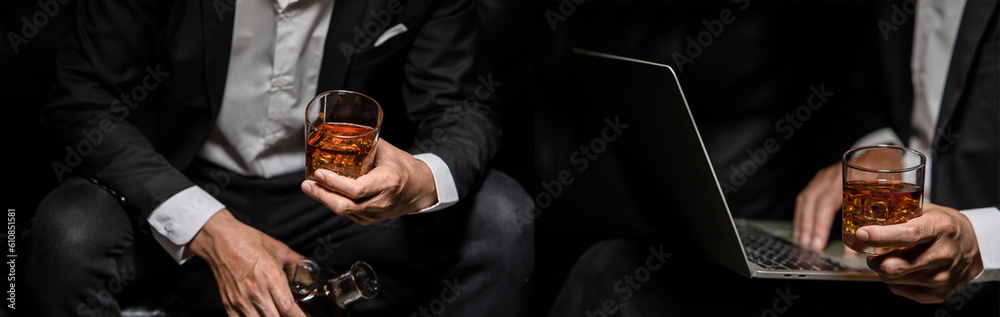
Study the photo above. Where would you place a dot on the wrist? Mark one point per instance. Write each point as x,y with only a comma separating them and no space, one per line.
976,267
427,188
203,240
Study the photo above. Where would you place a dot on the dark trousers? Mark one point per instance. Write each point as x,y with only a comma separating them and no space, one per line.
649,276
472,259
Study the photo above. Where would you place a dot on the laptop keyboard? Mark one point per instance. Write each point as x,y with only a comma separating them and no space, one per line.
772,252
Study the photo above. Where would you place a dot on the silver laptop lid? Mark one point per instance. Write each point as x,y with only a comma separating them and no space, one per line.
667,167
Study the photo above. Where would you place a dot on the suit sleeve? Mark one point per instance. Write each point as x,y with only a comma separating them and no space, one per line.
450,94
105,79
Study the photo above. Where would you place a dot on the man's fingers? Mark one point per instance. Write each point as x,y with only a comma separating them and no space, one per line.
361,187
894,270
276,294
230,299
827,204
806,217
284,255
815,207
817,212
244,297
287,256
825,212
230,304
370,184
337,203
278,289
916,265
259,295
911,266
265,305
917,231
366,209
283,300
271,294
247,307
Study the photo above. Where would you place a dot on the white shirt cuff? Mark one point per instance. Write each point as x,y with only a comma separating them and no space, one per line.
881,136
986,223
179,218
447,194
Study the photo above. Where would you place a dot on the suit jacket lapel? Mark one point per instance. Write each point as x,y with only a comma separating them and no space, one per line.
347,17
218,18
970,33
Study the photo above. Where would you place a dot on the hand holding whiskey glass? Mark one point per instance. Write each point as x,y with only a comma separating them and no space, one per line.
342,129
883,185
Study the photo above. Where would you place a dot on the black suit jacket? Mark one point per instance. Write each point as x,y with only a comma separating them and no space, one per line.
148,77
966,146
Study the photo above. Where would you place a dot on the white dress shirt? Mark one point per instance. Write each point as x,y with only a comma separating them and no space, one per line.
277,48
936,28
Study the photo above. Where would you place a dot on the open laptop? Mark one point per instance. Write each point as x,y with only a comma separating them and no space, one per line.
668,171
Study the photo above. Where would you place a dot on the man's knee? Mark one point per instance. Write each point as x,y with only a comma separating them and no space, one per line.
78,217
504,206
502,227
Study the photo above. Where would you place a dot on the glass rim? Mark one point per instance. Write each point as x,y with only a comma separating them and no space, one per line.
923,159
378,124
363,266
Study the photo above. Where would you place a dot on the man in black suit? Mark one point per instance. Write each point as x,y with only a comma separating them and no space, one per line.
948,254
170,104
963,147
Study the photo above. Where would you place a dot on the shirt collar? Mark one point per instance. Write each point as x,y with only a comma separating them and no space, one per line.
281,5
